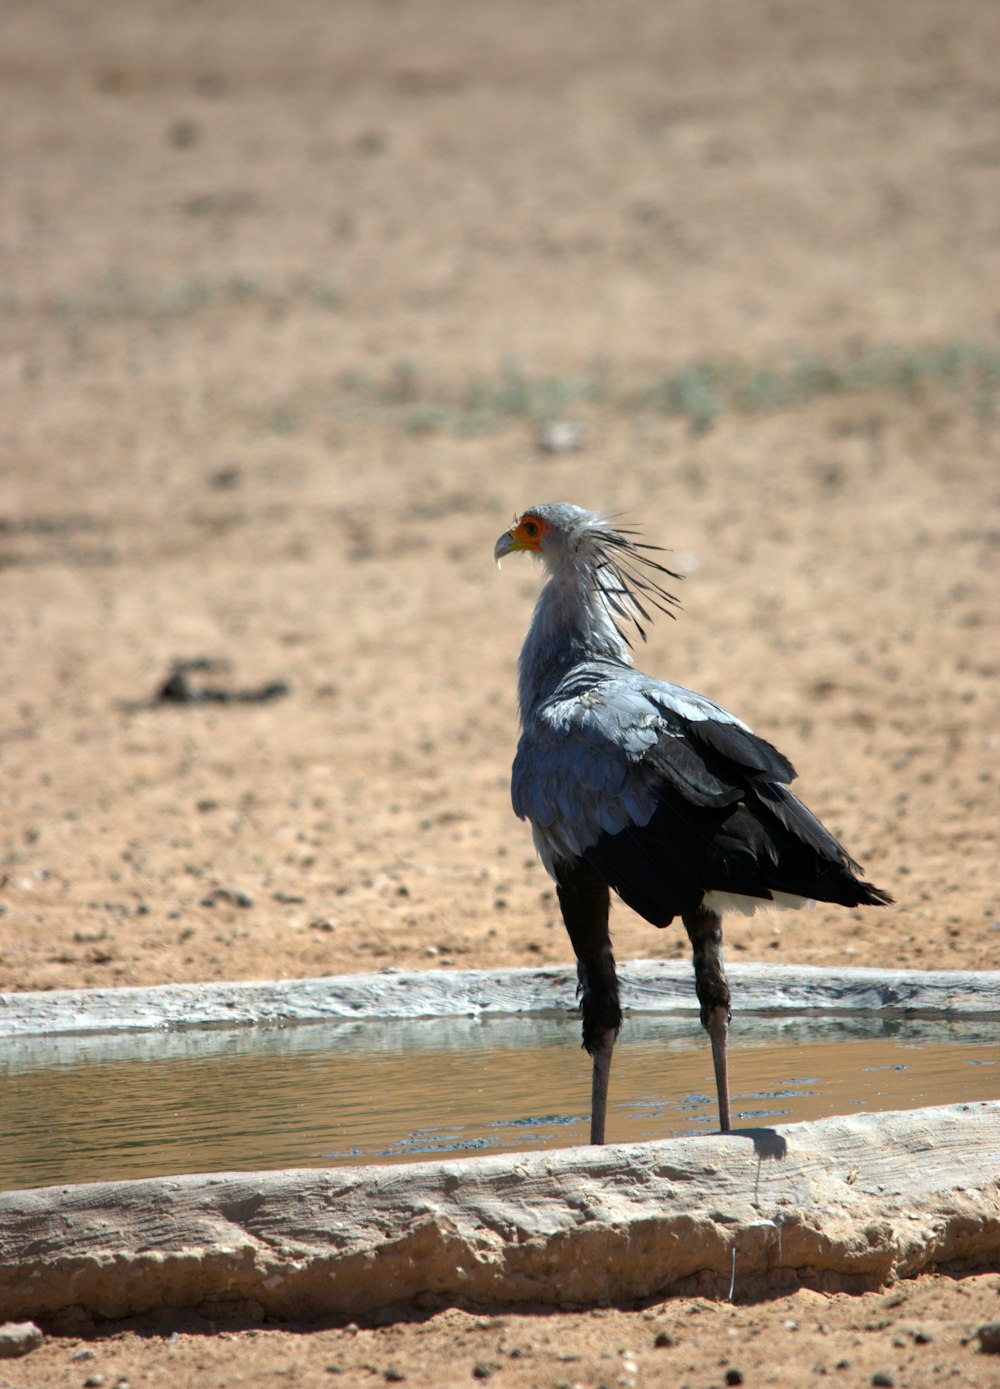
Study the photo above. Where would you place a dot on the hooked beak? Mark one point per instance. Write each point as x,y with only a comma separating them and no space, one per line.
507,543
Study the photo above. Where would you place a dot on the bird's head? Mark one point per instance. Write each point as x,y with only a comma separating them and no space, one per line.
551,532
573,541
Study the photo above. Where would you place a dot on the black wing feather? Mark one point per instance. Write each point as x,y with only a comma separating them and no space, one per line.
725,821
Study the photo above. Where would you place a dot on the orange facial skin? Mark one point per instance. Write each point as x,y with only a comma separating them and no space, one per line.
526,533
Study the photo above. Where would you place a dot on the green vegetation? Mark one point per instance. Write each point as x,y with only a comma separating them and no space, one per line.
118,295
698,392
702,391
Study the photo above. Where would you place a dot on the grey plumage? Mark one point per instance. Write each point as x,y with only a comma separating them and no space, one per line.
664,795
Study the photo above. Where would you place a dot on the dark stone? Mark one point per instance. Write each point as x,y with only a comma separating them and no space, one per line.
989,1337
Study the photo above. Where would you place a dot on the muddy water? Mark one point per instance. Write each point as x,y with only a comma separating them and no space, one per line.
94,1109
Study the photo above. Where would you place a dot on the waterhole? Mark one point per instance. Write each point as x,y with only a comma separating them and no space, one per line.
320,1095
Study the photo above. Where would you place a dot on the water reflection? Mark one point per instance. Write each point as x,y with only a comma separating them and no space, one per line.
102,1108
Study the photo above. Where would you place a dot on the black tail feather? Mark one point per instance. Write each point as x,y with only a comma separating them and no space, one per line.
768,843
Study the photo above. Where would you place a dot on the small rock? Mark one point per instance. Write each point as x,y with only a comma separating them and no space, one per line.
482,1370
225,479
922,1338
734,1376
989,1337
17,1338
662,1339
560,436
394,1376
183,134
93,1381
231,895
881,1380
84,1353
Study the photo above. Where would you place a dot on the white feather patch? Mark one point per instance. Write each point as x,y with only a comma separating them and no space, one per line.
722,902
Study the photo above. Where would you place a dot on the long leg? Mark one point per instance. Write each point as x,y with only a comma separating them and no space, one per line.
704,928
584,899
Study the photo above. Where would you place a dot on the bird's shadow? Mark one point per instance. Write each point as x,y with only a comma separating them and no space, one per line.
768,1144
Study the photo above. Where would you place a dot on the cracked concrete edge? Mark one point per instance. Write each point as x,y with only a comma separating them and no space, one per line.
847,1203
648,987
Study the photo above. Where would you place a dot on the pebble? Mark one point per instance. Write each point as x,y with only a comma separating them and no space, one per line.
989,1337
881,1380
734,1376
663,1338
559,436
17,1338
183,134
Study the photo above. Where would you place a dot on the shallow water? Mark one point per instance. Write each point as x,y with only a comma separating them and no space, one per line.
104,1108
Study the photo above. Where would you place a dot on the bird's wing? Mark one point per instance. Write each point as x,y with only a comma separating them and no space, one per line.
595,758
668,795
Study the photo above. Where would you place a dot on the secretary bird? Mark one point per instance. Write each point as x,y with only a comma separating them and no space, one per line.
645,787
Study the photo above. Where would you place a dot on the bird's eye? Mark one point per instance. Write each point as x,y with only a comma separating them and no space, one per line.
530,528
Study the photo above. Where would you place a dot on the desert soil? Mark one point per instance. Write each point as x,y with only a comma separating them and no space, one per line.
289,294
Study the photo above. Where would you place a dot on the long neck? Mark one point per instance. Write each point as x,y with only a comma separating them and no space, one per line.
571,625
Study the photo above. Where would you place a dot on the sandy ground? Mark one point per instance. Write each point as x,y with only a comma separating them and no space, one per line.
288,294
